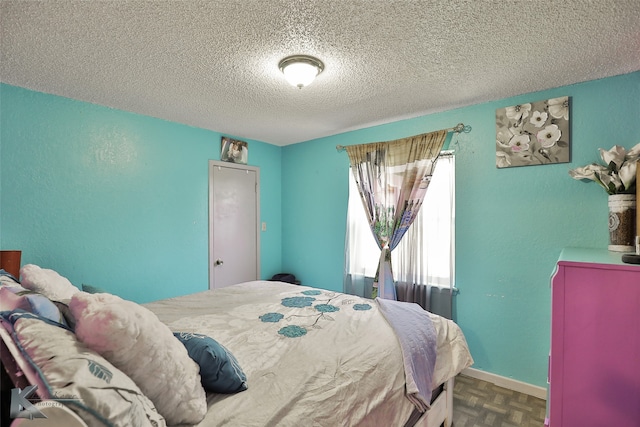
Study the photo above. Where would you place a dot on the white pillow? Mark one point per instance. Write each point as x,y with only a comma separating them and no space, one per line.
136,342
47,282
100,393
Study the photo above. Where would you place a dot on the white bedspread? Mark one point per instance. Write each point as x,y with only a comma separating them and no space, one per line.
312,357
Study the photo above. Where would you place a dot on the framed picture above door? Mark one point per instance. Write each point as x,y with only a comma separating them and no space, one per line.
234,151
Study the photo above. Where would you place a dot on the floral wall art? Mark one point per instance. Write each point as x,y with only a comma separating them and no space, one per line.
535,133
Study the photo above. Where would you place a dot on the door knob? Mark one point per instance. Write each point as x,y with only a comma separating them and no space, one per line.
219,262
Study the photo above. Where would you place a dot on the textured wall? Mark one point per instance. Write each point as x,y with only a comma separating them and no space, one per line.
511,224
119,201
115,199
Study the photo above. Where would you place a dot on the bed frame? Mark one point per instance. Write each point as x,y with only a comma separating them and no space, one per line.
441,411
22,374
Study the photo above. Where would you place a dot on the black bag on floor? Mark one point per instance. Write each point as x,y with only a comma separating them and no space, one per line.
284,277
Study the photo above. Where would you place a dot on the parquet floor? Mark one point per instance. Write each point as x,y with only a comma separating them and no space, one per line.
478,403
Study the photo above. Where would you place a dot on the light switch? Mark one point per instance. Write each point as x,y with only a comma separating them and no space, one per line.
264,226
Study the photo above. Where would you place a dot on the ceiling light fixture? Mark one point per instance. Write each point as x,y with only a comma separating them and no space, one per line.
300,70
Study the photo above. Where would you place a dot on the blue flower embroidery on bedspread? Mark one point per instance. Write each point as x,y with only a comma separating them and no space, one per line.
292,331
297,301
304,311
272,317
326,308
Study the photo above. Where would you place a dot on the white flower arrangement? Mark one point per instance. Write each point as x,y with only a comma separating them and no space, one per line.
617,175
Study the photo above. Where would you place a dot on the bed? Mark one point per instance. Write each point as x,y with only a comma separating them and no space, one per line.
304,356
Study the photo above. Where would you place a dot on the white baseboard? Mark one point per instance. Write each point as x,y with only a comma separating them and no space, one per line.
508,383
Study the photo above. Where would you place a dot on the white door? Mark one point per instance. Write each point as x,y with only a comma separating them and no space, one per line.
234,239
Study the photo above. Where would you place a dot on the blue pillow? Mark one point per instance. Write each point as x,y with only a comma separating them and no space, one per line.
219,369
17,297
9,277
13,316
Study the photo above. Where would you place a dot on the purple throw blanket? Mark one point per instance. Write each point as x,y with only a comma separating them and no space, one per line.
417,337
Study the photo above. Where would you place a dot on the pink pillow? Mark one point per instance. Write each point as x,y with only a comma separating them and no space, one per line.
134,340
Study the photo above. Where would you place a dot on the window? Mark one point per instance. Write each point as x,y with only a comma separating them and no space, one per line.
426,253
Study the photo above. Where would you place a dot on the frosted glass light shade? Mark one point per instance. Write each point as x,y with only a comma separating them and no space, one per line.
300,74
301,70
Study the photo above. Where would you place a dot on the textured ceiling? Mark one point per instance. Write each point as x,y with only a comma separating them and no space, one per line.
214,64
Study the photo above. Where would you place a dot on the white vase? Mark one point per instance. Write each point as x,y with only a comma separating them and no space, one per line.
622,222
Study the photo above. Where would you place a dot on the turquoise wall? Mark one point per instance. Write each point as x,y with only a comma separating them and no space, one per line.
115,199
511,223
119,200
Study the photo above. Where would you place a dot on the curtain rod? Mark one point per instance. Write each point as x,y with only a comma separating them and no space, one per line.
460,127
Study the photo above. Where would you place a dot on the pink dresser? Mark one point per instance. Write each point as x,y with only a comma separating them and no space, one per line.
594,364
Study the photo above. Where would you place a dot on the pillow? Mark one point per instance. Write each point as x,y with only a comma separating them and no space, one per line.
47,282
97,391
133,339
7,278
92,289
66,314
220,372
16,297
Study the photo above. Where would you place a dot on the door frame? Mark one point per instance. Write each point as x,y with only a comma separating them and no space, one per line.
216,163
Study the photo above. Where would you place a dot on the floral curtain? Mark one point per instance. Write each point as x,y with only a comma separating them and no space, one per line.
392,179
